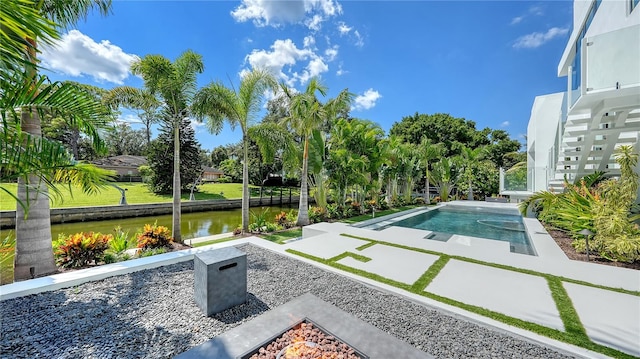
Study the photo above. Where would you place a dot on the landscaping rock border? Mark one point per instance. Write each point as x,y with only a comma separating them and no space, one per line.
152,314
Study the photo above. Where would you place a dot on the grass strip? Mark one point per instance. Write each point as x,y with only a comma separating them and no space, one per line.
213,241
355,256
282,236
574,337
568,314
427,277
500,266
365,246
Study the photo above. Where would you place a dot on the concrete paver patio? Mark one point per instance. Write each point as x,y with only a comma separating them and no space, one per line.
518,295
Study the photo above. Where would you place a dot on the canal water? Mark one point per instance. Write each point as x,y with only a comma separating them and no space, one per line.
198,224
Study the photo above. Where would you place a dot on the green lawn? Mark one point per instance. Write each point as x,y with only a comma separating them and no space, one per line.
137,193
280,237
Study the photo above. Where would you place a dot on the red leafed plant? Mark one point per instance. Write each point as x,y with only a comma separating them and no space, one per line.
81,249
154,236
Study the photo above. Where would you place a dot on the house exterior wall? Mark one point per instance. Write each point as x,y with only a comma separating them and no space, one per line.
543,139
600,109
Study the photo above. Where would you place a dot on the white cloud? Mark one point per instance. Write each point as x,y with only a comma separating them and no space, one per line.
197,126
331,53
505,124
537,39
275,13
536,10
341,71
359,39
366,100
343,28
517,20
285,55
315,23
128,119
77,54
309,41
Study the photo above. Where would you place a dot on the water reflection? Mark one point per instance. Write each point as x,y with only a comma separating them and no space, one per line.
193,225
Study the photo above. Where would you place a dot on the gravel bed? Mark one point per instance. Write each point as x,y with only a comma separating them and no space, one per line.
152,314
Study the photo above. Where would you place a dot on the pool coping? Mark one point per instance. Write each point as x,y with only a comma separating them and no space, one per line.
388,220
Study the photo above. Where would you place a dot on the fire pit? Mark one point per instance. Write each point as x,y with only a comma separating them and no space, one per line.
305,340
326,323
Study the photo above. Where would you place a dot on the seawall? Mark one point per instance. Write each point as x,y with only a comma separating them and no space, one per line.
98,213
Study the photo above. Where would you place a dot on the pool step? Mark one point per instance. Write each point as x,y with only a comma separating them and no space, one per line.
439,236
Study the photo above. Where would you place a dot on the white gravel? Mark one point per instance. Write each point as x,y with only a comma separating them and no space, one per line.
152,314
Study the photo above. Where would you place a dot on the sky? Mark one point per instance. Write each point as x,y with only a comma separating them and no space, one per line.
484,61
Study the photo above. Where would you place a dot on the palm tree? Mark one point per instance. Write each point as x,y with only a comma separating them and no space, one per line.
428,152
33,235
138,99
218,103
175,84
306,116
469,158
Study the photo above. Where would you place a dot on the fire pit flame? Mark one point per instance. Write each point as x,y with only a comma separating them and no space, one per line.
297,350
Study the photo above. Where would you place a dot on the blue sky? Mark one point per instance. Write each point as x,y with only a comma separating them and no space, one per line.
484,61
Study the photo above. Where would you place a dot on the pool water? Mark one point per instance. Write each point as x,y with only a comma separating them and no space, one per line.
474,222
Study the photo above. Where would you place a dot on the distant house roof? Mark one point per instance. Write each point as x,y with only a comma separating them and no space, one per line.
121,161
208,169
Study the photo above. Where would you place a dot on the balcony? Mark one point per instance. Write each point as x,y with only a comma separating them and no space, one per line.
605,71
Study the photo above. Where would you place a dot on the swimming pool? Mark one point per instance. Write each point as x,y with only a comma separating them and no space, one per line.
490,223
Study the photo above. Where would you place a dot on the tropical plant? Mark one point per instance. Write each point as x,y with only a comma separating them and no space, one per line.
25,92
81,249
469,160
120,241
174,84
444,174
142,100
307,115
154,236
428,151
217,102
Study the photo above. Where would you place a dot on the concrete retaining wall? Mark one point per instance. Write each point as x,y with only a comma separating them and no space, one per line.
82,214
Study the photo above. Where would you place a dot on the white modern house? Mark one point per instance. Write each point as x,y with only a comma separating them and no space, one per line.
574,133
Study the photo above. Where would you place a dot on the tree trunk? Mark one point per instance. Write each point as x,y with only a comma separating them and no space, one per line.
303,206
33,233
470,194
245,184
427,197
176,230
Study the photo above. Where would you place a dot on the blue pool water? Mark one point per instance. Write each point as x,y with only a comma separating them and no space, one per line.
473,222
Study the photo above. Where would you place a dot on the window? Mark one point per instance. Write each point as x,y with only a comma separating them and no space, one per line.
634,3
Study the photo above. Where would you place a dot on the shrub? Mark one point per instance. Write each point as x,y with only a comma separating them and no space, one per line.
224,179
7,248
120,242
317,214
281,218
237,230
259,221
81,249
335,211
154,236
419,201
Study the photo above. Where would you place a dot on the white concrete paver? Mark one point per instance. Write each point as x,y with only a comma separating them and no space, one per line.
326,246
519,295
393,263
610,318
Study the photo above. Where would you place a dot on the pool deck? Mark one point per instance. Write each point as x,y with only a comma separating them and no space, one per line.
610,318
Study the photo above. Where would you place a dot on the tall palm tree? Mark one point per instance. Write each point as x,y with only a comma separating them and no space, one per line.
429,152
306,116
34,254
217,102
470,157
175,84
137,99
